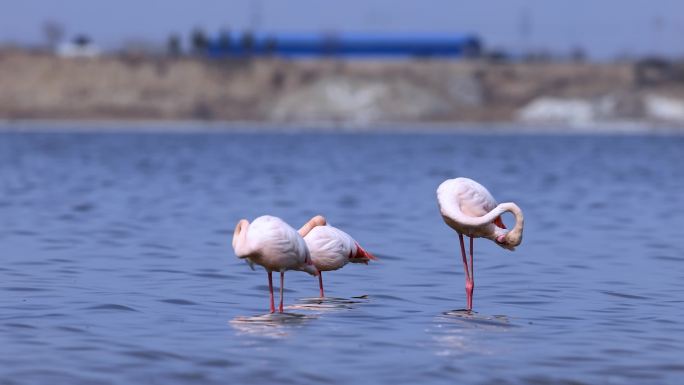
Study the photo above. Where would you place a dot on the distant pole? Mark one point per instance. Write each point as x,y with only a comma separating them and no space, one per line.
524,29
173,45
255,15
657,24
54,33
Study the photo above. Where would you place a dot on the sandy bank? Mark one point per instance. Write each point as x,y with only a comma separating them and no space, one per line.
247,127
325,94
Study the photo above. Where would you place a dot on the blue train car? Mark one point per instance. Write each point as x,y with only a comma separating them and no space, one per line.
345,45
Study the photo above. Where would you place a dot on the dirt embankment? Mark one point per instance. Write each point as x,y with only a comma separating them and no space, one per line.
356,92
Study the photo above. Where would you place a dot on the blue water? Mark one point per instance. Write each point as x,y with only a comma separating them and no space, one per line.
116,265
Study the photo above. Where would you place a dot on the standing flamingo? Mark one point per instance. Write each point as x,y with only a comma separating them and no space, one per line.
331,248
270,242
470,209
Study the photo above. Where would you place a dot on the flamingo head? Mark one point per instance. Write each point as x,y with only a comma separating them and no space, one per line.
362,256
508,239
318,220
240,244
501,241
309,267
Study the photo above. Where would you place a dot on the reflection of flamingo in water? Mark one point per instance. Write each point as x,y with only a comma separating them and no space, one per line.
467,207
330,247
273,244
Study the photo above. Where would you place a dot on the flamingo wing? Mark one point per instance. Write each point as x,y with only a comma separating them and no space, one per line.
330,247
475,200
278,241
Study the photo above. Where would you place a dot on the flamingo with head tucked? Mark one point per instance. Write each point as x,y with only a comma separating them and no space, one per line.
331,248
467,207
270,242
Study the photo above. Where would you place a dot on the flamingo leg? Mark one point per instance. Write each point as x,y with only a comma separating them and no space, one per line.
472,277
320,283
469,282
270,289
282,282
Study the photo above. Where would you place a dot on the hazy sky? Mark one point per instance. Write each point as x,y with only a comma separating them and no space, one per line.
605,28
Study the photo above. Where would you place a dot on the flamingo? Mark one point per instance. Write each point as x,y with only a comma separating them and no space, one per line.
467,207
270,242
331,248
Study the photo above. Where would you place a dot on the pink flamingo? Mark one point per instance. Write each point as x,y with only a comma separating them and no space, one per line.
467,207
270,242
331,248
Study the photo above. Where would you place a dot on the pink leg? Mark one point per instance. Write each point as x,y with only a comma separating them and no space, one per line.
469,282
270,289
320,283
472,277
282,282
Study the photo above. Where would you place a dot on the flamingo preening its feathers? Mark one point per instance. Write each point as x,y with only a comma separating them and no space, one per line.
467,207
270,242
330,247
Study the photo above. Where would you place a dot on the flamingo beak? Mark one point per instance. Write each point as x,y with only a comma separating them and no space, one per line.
363,255
309,263
501,241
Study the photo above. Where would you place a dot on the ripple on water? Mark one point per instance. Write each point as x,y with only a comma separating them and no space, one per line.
476,320
27,233
624,295
112,307
18,325
273,325
83,207
153,355
24,289
219,363
162,270
214,276
327,303
669,258
57,377
273,319
159,254
177,301
71,329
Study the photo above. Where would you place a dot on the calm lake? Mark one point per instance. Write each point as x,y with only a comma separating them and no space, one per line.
116,265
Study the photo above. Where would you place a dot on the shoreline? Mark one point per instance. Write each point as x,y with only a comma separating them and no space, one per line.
112,126
339,95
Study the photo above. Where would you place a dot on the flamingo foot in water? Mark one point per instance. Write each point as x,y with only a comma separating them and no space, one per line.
270,289
282,283
320,283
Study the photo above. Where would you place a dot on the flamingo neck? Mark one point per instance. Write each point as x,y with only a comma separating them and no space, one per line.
240,245
514,237
453,211
318,220
454,216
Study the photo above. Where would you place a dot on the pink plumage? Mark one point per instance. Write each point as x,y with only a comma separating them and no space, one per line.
468,208
270,242
331,248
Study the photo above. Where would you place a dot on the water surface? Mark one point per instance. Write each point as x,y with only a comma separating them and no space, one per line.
117,267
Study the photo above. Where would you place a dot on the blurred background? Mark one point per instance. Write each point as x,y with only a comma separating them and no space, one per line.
358,62
115,243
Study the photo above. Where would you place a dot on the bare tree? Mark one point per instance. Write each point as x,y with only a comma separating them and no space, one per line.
173,45
199,41
53,32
